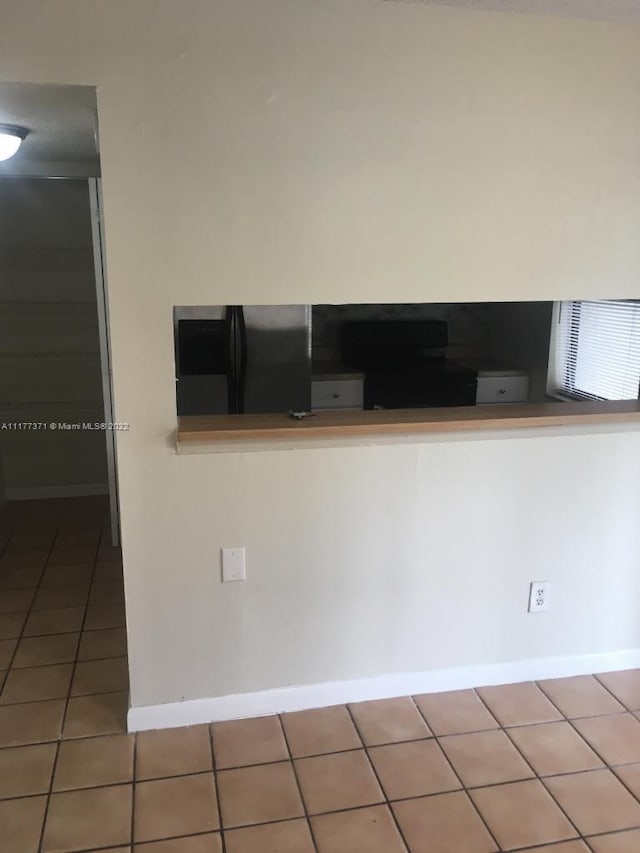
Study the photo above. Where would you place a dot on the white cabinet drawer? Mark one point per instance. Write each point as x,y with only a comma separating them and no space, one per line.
502,389
337,394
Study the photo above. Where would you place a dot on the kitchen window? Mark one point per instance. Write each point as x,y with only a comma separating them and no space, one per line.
255,376
595,350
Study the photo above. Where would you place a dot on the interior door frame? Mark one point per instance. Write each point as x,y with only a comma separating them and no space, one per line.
102,305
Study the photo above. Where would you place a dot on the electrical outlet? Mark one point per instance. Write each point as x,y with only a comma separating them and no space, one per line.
233,565
539,593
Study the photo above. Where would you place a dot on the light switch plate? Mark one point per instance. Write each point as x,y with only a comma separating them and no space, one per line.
233,565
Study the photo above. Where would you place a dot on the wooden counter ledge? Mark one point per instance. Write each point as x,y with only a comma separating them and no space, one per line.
211,428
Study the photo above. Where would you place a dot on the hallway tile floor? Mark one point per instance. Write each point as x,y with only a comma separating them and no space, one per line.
552,766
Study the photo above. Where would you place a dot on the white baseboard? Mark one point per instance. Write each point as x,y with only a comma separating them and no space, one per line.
80,490
302,698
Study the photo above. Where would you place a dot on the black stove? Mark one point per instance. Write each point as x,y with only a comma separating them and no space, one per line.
405,364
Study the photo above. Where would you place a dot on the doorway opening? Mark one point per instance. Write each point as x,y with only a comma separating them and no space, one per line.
62,615
56,420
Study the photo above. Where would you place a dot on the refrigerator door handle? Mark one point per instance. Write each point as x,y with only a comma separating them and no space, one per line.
241,364
230,347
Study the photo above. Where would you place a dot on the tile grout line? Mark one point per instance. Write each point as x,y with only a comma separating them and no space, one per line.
286,761
163,840
319,814
609,832
610,692
62,663
386,743
455,772
90,585
67,695
624,709
298,785
75,662
336,752
48,795
59,633
134,776
607,765
387,802
542,846
214,770
537,777
55,761
80,696
284,820
64,713
20,637
60,741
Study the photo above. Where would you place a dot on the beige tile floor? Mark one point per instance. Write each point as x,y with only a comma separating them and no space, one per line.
552,766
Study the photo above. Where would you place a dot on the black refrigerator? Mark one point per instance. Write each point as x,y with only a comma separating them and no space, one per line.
235,359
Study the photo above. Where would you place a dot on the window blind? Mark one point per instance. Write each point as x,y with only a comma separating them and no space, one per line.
597,349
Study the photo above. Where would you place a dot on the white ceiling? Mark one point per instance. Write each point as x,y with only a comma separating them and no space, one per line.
601,10
60,121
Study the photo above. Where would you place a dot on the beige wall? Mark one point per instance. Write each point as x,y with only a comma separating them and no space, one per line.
319,151
49,349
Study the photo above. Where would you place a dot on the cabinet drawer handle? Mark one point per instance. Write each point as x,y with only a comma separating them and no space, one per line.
336,394
502,391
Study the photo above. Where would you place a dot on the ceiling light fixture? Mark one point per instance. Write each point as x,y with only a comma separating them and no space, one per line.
11,138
